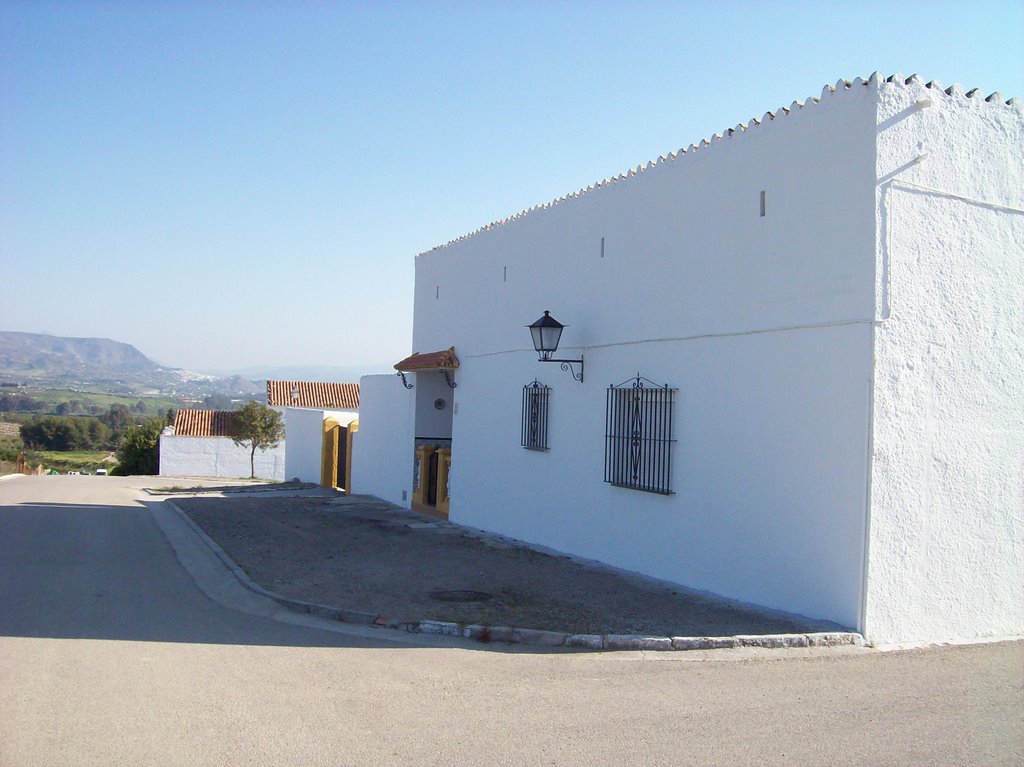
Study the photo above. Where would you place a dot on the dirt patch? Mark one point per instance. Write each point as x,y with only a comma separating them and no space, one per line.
368,556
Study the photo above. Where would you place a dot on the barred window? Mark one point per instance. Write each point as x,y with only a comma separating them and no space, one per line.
535,416
638,436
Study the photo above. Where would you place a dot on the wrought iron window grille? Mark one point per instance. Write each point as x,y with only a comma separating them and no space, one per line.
638,436
535,416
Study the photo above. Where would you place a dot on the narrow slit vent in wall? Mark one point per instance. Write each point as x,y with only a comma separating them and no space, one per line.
762,203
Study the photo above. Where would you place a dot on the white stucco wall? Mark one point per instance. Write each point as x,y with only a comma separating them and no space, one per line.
216,457
305,430
947,522
849,365
769,483
382,449
433,422
764,324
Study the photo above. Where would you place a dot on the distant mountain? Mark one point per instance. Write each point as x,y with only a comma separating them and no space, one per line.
34,355
57,361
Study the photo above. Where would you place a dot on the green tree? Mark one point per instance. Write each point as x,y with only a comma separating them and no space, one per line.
99,434
217,402
256,426
139,451
50,433
65,433
19,403
119,418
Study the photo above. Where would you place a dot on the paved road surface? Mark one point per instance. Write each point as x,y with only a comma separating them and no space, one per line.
110,654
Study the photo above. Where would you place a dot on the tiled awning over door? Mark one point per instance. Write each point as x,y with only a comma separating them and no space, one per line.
429,361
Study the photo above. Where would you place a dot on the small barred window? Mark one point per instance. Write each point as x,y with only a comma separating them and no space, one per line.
535,416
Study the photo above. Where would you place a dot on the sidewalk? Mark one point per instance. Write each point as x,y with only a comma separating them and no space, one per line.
362,560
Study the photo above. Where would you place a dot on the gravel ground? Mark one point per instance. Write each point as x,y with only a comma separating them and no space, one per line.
362,554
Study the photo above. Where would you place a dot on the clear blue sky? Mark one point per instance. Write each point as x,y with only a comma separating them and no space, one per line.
229,184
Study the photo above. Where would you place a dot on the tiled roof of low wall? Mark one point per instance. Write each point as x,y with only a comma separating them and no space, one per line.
313,394
202,423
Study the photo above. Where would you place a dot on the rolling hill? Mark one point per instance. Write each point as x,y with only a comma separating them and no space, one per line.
112,366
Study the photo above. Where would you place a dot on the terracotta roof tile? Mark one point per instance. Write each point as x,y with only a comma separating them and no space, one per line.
202,423
429,361
314,394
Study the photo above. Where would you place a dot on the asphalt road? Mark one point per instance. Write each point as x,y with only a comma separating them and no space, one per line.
111,654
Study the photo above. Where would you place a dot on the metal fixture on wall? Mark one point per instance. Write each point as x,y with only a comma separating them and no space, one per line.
535,416
638,436
546,333
448,378
405,383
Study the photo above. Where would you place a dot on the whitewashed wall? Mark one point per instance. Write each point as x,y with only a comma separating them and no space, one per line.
947,523
382,449
217,457
432,421
305,431
764,324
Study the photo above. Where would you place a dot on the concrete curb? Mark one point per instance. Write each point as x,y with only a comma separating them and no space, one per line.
524,636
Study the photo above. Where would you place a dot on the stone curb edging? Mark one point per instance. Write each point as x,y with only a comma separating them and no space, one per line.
523,636
542,638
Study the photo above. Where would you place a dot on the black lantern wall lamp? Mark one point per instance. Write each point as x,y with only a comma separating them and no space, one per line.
546,333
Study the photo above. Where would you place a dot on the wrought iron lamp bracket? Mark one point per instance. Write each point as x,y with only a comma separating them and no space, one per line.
567,366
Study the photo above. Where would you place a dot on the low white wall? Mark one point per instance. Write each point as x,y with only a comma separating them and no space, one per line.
947,511
305,431
382,449
217,457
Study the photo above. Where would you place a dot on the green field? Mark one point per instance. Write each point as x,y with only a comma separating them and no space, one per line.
73,460
53,397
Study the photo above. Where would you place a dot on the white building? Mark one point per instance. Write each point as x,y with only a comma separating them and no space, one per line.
317,418
833,295
199,445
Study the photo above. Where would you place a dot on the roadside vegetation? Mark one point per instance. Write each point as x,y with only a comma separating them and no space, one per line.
257,426
68,430
83,443
62,462
139,450
103,432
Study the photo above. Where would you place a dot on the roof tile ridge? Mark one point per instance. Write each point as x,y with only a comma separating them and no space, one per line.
956,90
875,80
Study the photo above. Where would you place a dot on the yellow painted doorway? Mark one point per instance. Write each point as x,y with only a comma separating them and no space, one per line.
336,454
